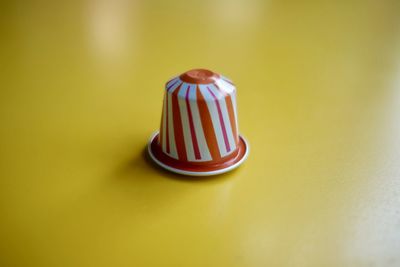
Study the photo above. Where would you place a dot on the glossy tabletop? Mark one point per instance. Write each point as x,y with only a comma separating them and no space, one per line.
81,89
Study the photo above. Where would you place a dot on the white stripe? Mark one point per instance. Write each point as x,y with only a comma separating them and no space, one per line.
201,140
185,122
174,87
226,78
171,134
225,86
212,108
233,97
207,96
225,116
171,81
172,146
164,126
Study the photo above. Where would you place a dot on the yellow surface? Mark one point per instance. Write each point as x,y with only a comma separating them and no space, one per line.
319,101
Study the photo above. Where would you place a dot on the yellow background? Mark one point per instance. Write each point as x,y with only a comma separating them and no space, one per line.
318,98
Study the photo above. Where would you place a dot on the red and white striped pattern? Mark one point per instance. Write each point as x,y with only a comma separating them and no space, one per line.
199,121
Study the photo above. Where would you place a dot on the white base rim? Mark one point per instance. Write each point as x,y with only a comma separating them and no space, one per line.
191,173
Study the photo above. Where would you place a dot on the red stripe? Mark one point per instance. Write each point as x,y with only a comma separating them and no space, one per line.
221,120
178,131
208,127
191,125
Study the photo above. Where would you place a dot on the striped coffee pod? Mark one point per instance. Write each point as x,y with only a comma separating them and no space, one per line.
199,133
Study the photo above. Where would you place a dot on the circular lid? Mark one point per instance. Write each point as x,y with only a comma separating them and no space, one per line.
202,76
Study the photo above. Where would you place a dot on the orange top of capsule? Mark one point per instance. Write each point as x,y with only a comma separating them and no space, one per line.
199,76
